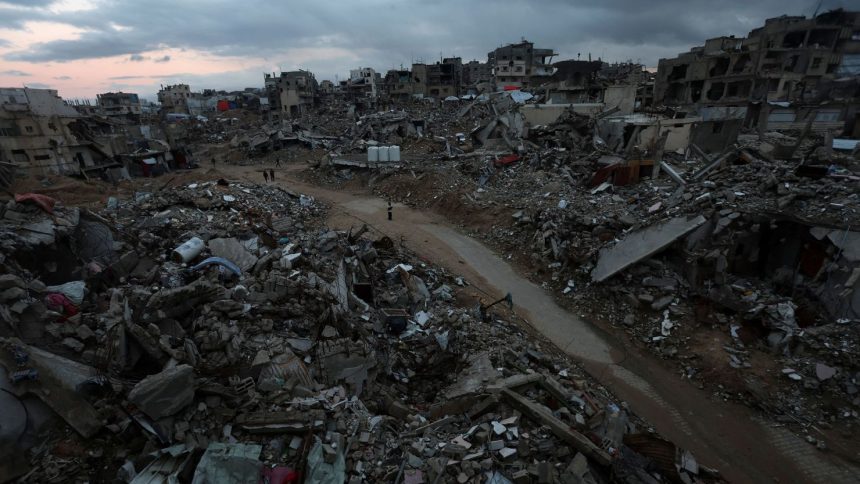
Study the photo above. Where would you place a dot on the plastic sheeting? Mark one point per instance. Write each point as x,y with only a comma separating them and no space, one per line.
73,290
234,463
520,97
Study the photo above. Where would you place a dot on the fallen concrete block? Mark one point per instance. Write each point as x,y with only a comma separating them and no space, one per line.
641,244
164,393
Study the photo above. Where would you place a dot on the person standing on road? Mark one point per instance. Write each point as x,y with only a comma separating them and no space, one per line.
390,209
278,162
266,176
272,174
213,161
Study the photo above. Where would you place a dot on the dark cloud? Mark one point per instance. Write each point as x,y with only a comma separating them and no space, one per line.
163,59
136,58
15,73
14,18
86,47
384,33
28,3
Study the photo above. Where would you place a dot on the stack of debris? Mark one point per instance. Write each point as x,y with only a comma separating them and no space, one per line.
218,332
760,233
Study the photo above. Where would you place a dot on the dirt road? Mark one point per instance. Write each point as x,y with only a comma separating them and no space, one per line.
722,435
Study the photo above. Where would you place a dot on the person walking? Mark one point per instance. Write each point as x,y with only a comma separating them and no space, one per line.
266,176
278,162
213,161
390,209
272,174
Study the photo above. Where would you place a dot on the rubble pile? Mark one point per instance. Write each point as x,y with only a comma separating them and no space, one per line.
217,331
765,231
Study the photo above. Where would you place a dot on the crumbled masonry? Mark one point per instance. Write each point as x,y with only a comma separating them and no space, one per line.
282,366
170,314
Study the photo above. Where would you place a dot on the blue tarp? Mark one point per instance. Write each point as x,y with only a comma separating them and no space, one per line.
221,262
520,97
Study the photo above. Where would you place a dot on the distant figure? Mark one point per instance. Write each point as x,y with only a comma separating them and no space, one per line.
266,176
278,162
272,175
213,161
390,209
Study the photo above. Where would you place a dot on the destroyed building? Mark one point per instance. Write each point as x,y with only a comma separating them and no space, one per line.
521,65
243,341
41,134
790,72
174,98
326,88
119,104
364,82
438,80
206,327
291,94
477,72
398,85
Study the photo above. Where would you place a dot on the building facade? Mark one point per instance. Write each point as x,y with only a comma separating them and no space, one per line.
791,71
364,82
118,104
292,93
521,65
398,84
475,72
439,80
174,99
41,134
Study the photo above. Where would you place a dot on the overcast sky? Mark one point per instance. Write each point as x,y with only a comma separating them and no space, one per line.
84,47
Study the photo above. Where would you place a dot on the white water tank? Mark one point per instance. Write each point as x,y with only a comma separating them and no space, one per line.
394,153
383,154
372,154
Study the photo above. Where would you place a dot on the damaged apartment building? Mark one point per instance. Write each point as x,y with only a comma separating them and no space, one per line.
291,94
174,98
521,65
119,104
584,82
41,134
790,73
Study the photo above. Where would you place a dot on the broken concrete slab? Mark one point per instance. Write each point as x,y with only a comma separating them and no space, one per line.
479,373
234,251
642,244
164,393
559,428
59,379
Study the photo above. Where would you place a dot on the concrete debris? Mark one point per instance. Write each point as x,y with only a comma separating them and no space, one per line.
639,245
165,393
280,367
212,329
